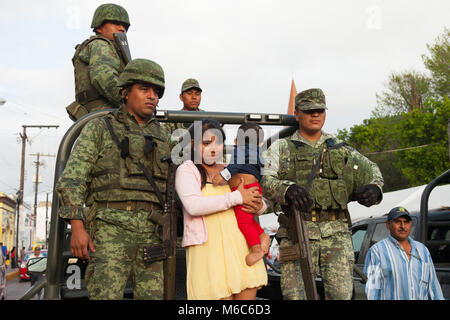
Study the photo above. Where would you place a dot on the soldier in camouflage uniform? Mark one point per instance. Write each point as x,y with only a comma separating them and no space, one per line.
191,96
291,178
98,63
105,195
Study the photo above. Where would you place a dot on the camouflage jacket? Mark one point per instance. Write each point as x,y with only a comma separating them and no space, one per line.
104,65
277,161
93,144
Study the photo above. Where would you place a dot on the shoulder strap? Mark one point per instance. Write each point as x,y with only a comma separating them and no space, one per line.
297,143
82,45
314,170
331,144
123,146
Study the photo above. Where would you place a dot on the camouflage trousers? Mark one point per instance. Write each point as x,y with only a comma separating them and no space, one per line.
118,256
333,257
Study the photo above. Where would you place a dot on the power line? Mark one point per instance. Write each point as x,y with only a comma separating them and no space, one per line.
38,164
401,149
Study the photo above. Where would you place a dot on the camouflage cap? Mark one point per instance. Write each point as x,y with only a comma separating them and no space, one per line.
142,70
310,99
190,84
110,11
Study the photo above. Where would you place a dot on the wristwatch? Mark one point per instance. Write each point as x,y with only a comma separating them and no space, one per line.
225,174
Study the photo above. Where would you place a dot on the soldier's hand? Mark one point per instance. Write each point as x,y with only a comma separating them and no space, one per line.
367,195
299,198
80,240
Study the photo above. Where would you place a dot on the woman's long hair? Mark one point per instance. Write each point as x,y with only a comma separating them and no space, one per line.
206,125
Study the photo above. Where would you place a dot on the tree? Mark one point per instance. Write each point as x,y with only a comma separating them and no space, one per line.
406,91
425,128
407,132
410,149
438,63
373,138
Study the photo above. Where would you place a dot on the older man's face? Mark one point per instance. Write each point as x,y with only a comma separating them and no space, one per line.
400,228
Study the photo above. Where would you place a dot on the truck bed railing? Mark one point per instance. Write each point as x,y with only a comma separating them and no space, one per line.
442,179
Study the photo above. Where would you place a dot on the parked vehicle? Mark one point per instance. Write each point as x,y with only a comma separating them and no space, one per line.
23,275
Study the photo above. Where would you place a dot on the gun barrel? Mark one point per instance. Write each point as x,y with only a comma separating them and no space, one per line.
306,266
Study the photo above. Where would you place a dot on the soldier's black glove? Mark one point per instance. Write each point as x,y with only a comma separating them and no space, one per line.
367,195
299,198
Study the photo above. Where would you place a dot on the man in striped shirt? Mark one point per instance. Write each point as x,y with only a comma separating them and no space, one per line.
399,268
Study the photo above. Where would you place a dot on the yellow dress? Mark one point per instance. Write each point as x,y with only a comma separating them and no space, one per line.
216,269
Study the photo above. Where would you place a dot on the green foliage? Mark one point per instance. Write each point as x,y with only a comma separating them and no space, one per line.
372,138
407,133
424,131
438,63
420,128
406,91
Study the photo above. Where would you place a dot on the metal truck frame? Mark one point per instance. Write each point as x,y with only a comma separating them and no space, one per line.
55,263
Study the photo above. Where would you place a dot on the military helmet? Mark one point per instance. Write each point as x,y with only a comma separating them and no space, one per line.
110,11
142,70
190,84
310,99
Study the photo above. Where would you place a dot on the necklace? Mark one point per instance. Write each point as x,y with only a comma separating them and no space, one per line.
410,254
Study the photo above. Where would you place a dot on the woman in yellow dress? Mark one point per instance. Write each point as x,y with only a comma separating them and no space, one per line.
215,247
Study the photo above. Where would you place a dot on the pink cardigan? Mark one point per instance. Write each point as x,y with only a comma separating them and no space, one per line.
195,205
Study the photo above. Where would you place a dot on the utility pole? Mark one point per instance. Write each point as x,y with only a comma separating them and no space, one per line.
36,184
24,138
46,222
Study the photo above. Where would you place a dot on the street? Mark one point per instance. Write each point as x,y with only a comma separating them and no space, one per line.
16,288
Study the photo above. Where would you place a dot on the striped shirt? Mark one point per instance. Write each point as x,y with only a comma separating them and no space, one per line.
392,276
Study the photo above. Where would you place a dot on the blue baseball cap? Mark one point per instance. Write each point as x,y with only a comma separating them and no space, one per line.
398,212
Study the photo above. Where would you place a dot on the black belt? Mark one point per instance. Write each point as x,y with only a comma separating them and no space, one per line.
326,215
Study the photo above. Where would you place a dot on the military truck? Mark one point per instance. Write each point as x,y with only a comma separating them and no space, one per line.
65,273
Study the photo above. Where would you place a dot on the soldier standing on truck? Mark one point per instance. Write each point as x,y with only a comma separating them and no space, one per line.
191,96
106,195
318,175
98,63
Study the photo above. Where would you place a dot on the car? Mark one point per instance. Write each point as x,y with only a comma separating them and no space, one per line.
2,277
23,275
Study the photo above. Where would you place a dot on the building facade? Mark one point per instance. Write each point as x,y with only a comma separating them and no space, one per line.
7,220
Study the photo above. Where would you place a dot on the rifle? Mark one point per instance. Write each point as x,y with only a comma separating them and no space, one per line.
121,41
168,221
300,250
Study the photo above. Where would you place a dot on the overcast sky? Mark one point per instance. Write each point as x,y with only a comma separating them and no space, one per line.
244,53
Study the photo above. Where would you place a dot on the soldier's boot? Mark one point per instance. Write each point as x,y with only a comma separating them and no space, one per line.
256,254
265,242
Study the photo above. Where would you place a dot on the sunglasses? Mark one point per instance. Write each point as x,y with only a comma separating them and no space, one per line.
312,111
